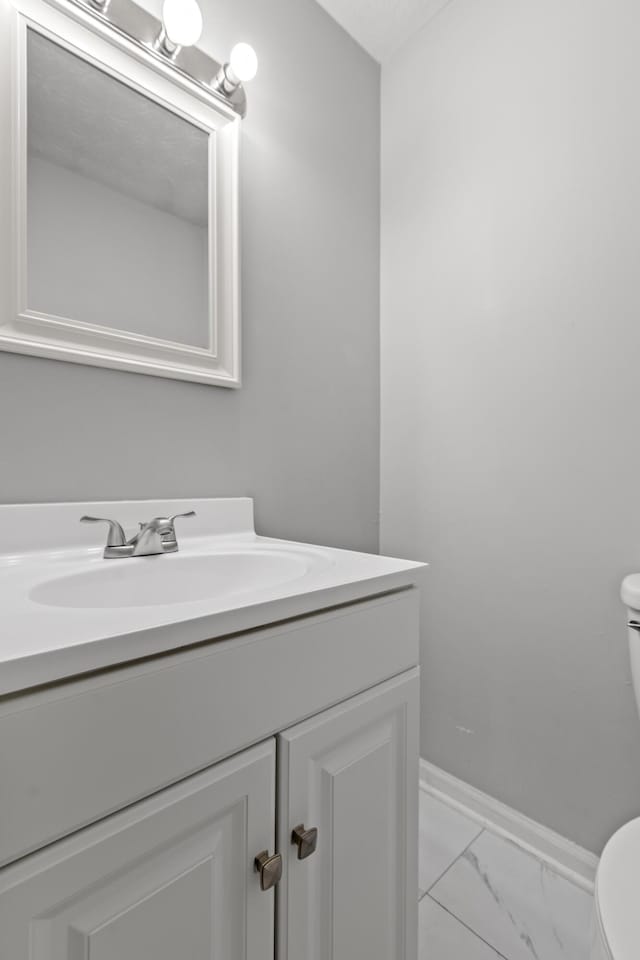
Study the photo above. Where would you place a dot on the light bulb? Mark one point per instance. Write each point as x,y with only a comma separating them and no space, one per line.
243,62
182,22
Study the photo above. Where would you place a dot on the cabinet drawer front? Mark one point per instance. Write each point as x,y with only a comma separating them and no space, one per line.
74,753
169,877
351,773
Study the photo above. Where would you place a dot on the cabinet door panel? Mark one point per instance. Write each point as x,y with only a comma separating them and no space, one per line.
169,877
352,772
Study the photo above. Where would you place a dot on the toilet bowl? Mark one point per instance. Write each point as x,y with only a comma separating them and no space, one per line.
616,912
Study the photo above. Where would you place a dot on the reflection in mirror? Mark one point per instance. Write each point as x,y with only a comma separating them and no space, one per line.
117,203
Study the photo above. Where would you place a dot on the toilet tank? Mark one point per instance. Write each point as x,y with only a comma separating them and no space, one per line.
631,598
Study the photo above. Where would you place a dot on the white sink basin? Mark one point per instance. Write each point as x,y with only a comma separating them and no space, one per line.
173,578
67,611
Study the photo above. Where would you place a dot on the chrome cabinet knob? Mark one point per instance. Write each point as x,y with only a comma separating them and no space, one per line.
270,869
305,840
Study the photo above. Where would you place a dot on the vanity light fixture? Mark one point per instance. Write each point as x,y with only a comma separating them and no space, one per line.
173,41
181,26
242,67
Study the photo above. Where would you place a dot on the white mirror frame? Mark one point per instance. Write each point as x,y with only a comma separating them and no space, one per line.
64,338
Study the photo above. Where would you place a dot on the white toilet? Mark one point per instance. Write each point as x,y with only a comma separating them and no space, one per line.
616,926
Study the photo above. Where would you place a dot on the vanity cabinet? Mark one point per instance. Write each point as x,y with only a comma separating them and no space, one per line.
332,794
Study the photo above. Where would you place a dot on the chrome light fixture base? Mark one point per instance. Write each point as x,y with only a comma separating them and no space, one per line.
130,21
164,45
225,81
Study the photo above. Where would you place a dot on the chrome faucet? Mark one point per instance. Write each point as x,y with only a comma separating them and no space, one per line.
156,536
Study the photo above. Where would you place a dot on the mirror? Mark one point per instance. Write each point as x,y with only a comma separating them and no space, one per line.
125,193
117,203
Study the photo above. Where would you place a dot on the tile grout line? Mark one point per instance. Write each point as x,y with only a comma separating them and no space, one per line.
562,856
453,862
466,925
510,841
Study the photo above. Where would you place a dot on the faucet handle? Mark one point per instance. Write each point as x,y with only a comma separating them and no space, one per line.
169,535
157,536
176,516
116,536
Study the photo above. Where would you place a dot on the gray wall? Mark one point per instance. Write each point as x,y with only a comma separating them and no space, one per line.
302,434
511,413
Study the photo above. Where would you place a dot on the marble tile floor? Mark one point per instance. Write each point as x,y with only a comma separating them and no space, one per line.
484,898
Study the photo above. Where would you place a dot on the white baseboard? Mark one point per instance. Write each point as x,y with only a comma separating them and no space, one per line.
566,858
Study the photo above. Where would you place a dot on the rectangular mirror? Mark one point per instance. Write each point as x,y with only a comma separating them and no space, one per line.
117,203
126,214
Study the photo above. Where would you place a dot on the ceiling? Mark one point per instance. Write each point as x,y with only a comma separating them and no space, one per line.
381,26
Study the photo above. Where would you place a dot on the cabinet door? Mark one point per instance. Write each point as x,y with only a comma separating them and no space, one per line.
170,877
352,773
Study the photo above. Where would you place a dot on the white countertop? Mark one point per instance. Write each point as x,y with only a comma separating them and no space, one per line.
41,643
